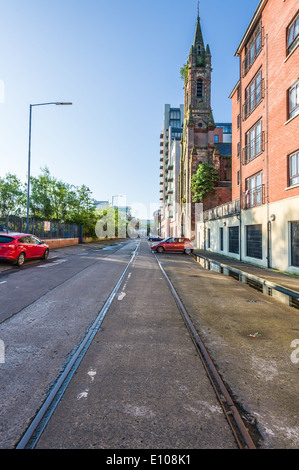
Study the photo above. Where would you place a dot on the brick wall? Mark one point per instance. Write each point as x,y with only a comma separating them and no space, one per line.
279,72
61,242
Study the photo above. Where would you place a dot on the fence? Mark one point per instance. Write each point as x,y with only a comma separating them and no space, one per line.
41,228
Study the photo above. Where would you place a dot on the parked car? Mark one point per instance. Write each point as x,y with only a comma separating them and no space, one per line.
18,247
153,238
179,244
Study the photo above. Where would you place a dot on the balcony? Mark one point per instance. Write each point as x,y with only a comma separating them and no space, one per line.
253,197
254,148
253,49
253,100
170,176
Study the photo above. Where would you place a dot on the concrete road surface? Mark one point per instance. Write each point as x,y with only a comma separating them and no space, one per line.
141,384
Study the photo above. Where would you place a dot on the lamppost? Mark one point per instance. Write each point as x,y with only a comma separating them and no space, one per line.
29,152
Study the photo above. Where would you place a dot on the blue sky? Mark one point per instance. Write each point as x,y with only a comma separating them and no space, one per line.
119,63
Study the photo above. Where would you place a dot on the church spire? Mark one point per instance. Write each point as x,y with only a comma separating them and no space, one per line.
198,38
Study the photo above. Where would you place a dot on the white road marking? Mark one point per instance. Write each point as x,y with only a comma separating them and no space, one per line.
3,282
121,296
55,263
91,374
83,395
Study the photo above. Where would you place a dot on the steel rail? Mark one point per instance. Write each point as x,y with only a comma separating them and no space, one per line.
37,426
237,425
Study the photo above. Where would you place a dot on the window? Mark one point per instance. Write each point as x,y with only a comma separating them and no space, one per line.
221,238
253,142
233,240
253,94
295,243
216,139
175,114
209,238
294,169
254,238
199,89
293,34
4,239
293,96
25,239
174,122
254,190
253,48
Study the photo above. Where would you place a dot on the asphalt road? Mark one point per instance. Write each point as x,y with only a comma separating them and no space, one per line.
46,309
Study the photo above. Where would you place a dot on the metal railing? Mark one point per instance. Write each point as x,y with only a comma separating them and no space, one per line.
253,100
253,197
227,209
254,148
41,228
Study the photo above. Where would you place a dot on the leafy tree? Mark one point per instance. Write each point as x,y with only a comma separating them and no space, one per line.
41,188
203,181
61,200
12,197
52,199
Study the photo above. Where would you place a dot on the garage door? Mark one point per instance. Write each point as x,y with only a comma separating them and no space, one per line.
254,239
295,243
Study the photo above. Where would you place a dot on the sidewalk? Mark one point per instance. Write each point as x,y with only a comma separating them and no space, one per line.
277,284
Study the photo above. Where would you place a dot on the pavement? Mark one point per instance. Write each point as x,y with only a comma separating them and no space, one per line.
284,284
253,340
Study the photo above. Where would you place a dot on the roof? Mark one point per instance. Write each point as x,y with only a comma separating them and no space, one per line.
224,148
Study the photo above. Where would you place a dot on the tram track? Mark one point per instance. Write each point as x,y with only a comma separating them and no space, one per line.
229,407
239,430
32,435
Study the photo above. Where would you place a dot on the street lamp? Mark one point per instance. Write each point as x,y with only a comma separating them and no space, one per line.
29,151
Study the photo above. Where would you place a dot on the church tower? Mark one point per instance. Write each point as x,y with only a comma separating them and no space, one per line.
197,143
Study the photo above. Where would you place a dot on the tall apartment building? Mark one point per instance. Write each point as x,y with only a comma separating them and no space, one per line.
261,223
169,167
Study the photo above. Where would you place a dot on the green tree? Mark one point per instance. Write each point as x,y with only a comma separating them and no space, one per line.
12,197
203,181
61,200
41,195
82,208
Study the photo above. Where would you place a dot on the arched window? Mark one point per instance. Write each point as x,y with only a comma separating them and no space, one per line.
199,88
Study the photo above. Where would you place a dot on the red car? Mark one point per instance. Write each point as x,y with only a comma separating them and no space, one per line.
20,246
179,244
